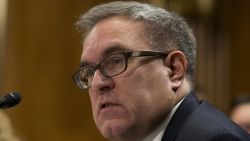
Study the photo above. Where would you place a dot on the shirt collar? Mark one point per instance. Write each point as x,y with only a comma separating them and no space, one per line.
157,134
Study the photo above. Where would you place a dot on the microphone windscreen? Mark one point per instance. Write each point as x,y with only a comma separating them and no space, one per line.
10,100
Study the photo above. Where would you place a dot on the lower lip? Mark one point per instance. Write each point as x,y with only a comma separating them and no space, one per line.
111,111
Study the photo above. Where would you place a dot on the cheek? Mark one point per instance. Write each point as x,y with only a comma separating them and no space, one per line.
151,90
94,107
136,95
150,80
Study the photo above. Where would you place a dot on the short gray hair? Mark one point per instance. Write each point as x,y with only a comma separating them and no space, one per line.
163,30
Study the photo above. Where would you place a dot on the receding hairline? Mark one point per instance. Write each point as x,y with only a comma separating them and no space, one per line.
138,25
138,11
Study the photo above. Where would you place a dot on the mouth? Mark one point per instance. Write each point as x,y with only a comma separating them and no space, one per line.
110,111
107,105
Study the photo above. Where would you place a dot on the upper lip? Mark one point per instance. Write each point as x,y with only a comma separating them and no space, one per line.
106,103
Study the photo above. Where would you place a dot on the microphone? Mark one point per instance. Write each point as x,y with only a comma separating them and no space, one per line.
10,100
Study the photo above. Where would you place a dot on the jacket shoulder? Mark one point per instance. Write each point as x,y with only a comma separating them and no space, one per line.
208,124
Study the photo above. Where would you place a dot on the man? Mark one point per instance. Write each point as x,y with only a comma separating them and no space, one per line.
138,66
240,112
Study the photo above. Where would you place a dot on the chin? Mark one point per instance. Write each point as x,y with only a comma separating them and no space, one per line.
114,129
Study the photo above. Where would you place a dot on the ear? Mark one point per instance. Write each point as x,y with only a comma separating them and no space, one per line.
176,61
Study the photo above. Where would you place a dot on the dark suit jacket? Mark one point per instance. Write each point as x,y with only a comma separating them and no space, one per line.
199,121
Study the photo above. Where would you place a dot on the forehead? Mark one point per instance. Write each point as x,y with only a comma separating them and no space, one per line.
115,32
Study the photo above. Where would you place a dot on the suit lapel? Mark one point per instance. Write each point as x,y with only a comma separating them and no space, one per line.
182,113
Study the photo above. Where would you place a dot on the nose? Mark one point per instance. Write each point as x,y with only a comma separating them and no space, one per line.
101,83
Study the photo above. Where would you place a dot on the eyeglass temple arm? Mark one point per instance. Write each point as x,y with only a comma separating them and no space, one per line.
147,53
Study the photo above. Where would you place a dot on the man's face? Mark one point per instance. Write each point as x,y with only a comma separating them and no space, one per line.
135,102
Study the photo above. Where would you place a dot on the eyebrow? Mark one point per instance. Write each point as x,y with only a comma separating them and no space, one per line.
114,49
107,52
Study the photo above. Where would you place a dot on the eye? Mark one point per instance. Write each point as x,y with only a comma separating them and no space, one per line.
116,60
113,61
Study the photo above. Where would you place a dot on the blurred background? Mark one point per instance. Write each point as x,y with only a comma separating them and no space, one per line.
40,50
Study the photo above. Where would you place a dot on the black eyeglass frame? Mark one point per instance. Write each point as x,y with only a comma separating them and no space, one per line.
127,54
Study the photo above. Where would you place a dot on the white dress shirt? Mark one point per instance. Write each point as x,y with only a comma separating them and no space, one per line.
157,134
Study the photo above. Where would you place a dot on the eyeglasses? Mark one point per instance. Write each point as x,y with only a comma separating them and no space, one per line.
110,66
